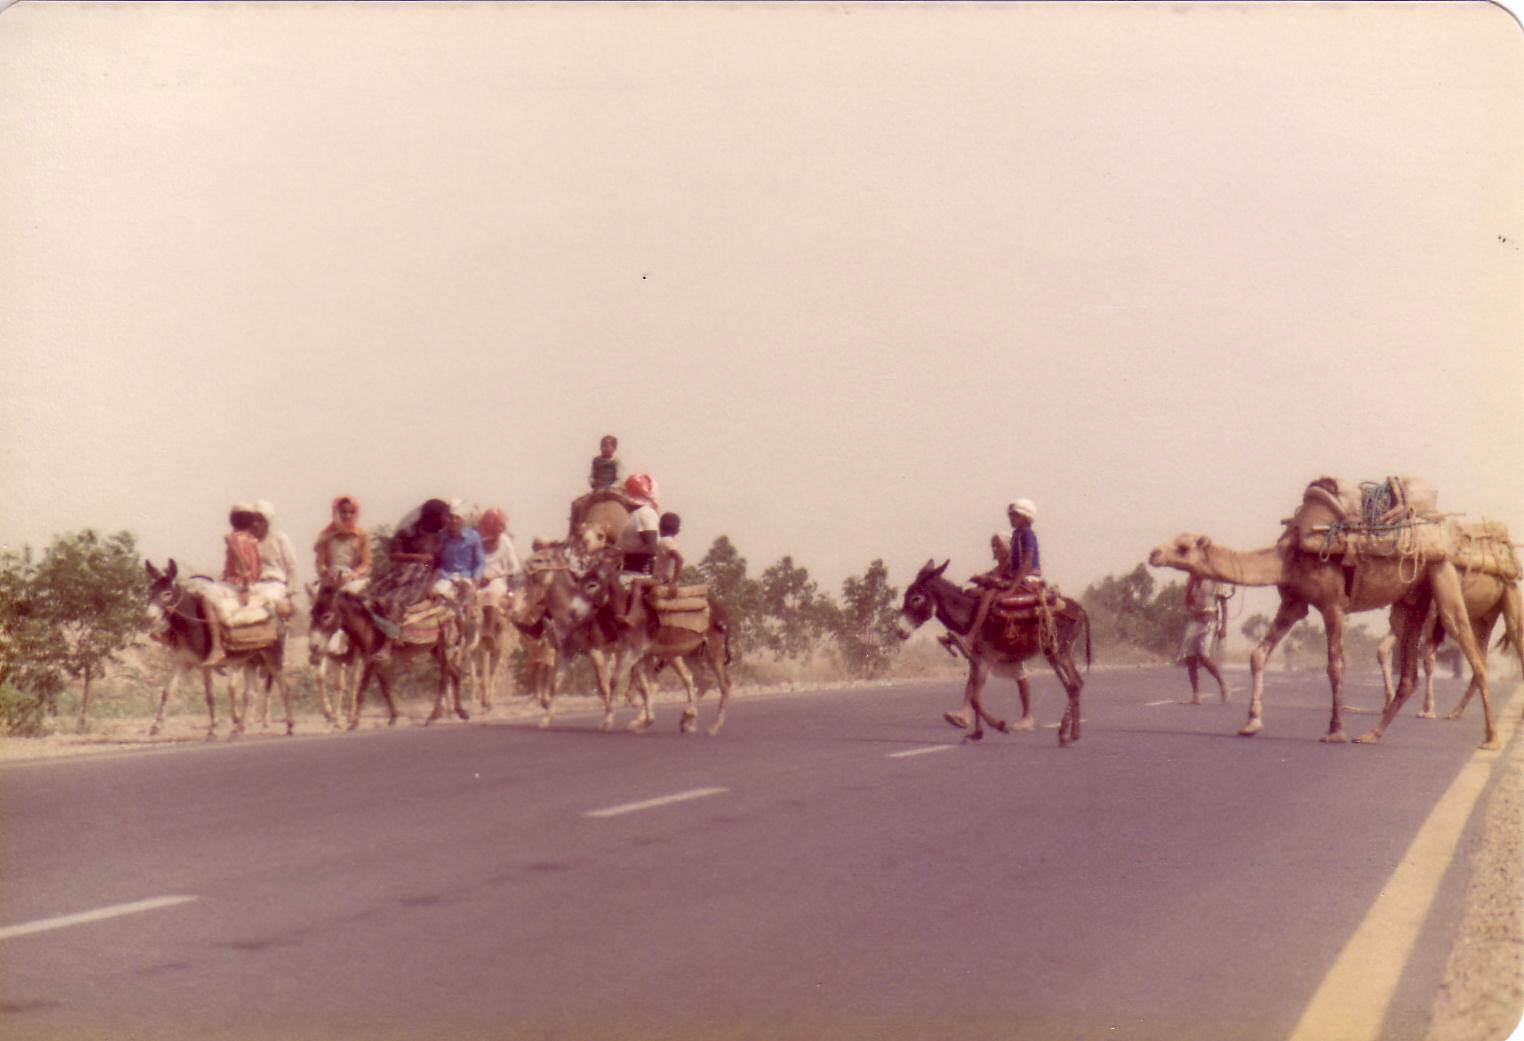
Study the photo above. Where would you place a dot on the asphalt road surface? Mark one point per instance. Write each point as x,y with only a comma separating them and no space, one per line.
834,865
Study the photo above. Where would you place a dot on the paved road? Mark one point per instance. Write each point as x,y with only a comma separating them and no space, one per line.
835,865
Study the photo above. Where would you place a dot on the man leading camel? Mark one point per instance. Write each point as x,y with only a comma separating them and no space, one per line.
1206,620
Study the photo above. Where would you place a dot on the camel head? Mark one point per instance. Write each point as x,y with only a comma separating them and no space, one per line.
1184,552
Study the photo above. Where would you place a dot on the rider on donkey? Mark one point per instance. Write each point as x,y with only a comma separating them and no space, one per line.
638,544
1021,571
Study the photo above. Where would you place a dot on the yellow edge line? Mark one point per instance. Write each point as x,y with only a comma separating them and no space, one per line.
1352,1002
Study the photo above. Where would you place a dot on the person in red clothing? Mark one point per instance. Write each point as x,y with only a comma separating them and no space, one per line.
240,570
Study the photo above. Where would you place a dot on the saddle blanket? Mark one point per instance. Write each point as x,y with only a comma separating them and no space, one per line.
422,622
1023,600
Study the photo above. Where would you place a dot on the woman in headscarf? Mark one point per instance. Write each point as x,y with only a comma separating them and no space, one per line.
411,554
343,548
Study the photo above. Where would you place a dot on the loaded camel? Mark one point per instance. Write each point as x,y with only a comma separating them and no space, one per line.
1306,581
1488,597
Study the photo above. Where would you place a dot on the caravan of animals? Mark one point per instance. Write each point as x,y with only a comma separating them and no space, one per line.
455,594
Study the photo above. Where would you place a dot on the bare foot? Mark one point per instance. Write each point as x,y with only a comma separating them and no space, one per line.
957,719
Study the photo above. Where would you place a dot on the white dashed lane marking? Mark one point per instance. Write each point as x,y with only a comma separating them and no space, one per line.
85,917
920,751
648,804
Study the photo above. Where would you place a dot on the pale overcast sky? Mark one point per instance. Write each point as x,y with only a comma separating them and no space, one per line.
845,278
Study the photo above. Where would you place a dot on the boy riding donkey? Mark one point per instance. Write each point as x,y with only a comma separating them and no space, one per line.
1017,570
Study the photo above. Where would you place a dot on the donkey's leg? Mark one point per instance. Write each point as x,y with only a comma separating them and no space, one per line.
1289,613
169,686
689,723
715,655
978,673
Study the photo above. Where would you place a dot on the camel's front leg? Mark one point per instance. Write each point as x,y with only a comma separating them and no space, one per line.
1384,660
1333,624
1289,613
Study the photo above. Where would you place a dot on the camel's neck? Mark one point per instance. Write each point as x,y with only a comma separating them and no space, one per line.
1256,567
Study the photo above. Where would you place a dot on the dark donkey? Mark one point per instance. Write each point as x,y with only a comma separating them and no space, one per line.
185,631
334,608
1001,644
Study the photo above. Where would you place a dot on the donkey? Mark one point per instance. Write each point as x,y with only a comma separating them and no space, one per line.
568,608
1000,645
332,656
339,609
185,631
647,643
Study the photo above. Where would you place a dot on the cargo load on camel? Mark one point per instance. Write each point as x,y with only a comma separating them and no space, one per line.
1485,548
1398,517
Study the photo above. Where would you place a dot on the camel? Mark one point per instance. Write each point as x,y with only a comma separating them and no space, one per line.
1305,581
1487,597
597,519
186,632
999,646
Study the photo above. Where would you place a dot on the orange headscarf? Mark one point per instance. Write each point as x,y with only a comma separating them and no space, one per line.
340,525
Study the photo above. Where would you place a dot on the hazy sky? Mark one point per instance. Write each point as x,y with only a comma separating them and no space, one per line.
845,278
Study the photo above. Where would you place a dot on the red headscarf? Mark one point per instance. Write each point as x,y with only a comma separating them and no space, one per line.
641,486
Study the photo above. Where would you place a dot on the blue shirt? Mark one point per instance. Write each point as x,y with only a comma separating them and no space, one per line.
462,556
1023,539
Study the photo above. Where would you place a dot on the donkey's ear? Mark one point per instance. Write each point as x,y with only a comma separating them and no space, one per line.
153,572
172,570
938,571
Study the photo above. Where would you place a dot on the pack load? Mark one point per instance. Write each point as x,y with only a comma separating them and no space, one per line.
249,636
681,607
422,622
1398,517
1485,548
